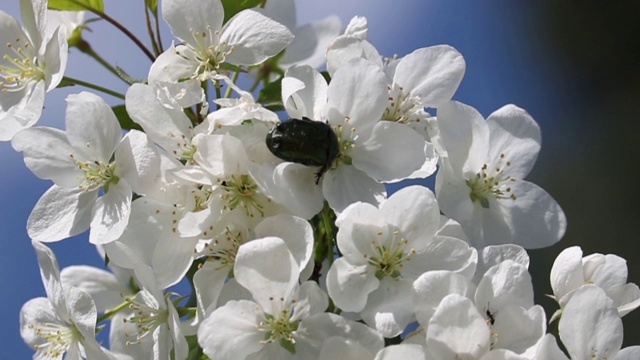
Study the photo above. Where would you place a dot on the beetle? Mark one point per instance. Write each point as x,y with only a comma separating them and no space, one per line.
304,141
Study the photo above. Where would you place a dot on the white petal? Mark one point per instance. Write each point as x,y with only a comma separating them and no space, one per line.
347,185
457,318
349,286
56,59
61,213
311,42
515,134
432,74
208,282
111,214
169,129
189,17
254,38
629,353
105,289
306,97
548,349
431,287
339,348
92,127
268,270
24,113
358,91
46,153
402,351
297,190
294,231
465,135
535,219
392,151
345,48
566,273
389,308
590,327
506,284
518,329
35,19
138,161
414,212
50,274
230,332
33,313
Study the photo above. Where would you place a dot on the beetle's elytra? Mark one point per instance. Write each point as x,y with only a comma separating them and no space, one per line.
304,141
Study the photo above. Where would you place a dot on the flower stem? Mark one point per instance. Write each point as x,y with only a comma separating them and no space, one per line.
86,48
120,27
72,81
108,314
227,94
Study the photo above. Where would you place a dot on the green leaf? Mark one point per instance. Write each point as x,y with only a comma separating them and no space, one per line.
76,5
152,5
271,96
232,7
123,118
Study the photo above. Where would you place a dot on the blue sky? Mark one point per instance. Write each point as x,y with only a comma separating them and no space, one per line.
503,66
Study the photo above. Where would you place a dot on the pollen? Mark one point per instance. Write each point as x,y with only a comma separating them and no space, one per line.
492,183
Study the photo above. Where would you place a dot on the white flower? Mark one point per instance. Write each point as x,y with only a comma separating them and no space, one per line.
384,250
64,323
571,271
273,325
221,252
248,38
153,314
370,151
480,183
31,63
425,78
79,162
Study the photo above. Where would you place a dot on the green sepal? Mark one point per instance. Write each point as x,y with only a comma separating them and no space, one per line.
152,5
231,67
76,5
65,82
288,345
124,119
232,7
195,351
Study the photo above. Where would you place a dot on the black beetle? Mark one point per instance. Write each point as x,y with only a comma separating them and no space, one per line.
304,141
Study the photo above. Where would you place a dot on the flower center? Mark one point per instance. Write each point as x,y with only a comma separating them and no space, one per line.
209,53
389,260
403,109
491,183
97,174
279,328
146,319
224,247
201,197
19,67
242,191
58,339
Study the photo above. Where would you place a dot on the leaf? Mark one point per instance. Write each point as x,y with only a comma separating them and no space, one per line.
271,96
76,5
124,119
232,7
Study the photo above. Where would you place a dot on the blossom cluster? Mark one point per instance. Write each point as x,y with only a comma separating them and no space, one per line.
270,201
